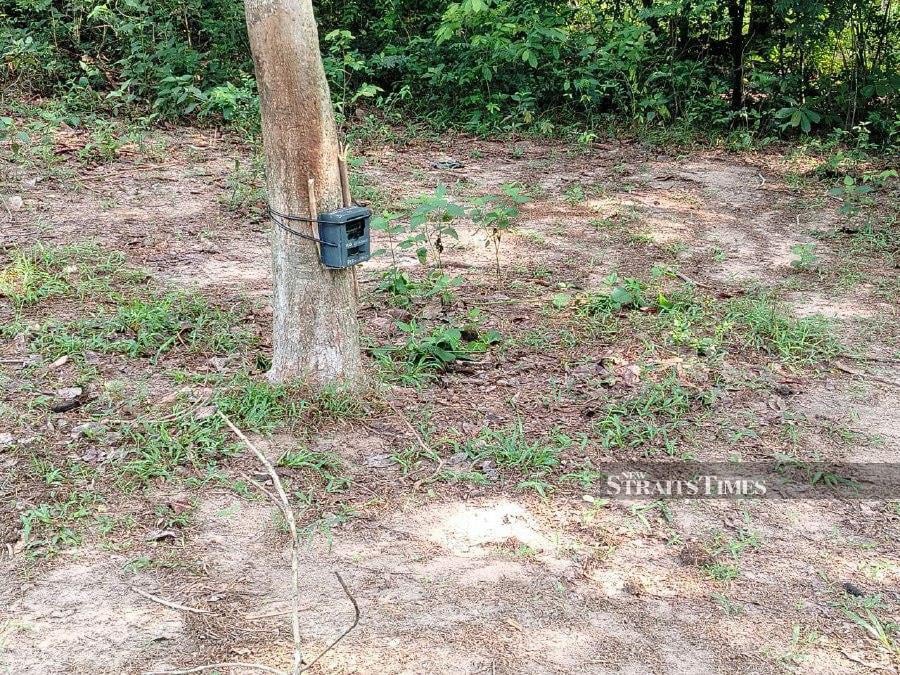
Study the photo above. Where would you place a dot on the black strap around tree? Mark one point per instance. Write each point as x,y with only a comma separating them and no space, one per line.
277,215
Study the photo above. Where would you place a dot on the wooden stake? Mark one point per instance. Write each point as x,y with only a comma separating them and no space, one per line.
345,195
313,208
345,176
313,213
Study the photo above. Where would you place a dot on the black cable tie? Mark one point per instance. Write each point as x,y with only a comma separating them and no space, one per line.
276,215
299,219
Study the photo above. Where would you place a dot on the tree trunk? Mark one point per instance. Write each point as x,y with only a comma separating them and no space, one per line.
316,334
652,21
736,10
761,15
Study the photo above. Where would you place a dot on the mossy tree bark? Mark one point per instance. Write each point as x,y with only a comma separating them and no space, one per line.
315,332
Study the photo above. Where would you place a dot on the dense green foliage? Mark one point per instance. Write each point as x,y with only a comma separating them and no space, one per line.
792,66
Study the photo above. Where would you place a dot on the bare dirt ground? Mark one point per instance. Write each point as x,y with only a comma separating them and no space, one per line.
457,576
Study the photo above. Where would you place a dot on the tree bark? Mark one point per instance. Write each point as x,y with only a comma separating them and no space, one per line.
761,15
315,332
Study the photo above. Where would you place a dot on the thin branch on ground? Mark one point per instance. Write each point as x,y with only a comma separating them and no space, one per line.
866,376
212,666
292,526
873,359
169,603
346,632
422,444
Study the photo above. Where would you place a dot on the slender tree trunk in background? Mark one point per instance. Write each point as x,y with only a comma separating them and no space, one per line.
761,15
652,21
684,27
736,13
316,334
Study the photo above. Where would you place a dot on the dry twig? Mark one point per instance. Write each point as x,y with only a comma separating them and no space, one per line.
211,666
292,526
422,444
857,373
169,603
346,632
285,506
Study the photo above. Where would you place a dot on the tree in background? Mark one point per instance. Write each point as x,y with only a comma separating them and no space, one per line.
316,335
770,67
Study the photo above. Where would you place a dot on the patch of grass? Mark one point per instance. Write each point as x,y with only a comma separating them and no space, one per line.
653,418
326,465
51,526
147,328
510,449
731,549
337,402
873,238
721,571
254,404
83,270
158,449
767,326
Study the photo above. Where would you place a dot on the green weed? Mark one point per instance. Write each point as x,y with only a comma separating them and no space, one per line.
326,465
254,404
510,449
881,631
426,353
405,291
766,326
806,259
157,450
721,571
52,526
147,328
78,270
653,418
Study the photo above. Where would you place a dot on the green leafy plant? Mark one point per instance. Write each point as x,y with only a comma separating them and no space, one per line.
426,352
798,116
806,259
405,291
854,195
494,214
617,295
431,224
